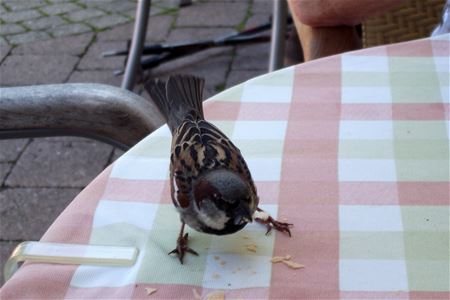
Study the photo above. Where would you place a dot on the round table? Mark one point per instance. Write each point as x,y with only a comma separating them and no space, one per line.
352,149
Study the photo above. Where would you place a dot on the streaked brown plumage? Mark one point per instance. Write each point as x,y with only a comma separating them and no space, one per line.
211,185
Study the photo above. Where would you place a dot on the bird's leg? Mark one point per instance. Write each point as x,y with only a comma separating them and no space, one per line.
182,246
264,218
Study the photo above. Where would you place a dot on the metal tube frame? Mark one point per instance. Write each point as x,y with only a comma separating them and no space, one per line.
102,112
137,44
278,35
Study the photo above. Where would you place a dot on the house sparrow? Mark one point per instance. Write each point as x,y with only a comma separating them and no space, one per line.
211,185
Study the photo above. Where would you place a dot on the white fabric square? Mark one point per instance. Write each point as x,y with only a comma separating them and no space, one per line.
264,169
442,64
138,214
161,131
363,170
266,93
373,275
259,130
363,63
366,130
141,168
238,271
443,37
370,218
448,131
445,93
366,94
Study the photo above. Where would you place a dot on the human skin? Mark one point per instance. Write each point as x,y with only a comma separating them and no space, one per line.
322,13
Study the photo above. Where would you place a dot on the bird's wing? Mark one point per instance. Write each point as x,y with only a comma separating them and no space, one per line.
199,146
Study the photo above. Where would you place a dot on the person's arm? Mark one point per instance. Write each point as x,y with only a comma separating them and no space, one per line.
326,27
320,13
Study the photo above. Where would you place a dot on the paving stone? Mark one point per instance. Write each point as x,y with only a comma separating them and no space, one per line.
44,23
59,164
4,50
93,3
61,8
4,169
3,41
72,45
158,27
251,57
69,29
157,30
84,14
93,59
236,77
116,6
212,14
59,1
11,149
2,9
262,6
23,4
156,10
118,33
106,77
17,16
197,34
212,64
11,28
27,213
167,3
36,69
107,21
117,154
6,248
28,37
258,20
131,13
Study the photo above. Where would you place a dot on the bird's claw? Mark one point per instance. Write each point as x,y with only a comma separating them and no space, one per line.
182,248
272,223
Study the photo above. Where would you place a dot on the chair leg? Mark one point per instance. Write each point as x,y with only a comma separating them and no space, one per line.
278,38
137,44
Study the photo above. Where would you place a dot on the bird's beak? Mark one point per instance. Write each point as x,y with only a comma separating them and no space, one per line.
243,215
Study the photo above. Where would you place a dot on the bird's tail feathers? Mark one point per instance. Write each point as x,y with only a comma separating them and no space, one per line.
157,91
186,91
177,97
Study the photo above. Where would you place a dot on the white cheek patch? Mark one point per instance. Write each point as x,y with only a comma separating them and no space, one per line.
217,222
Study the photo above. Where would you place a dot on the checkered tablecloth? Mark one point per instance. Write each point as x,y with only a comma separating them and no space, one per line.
353,149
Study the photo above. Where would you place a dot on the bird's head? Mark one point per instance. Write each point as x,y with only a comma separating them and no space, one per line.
224,201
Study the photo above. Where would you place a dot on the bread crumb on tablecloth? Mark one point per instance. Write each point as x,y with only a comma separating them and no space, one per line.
150,291
216,295
251,247
293,265
286,260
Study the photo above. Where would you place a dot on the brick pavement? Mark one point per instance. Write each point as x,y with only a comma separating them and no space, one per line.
58,41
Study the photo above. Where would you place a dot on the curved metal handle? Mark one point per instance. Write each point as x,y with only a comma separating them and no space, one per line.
73,254
98,111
